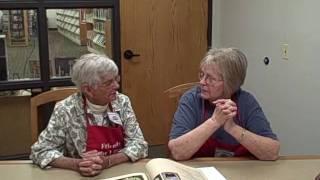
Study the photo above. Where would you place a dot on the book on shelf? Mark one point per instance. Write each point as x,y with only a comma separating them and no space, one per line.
166,169
18,27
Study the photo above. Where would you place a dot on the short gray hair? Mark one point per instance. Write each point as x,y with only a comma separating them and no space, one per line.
90,68
232,64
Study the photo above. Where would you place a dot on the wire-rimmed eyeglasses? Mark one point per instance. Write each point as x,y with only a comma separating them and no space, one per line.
208,79
109,82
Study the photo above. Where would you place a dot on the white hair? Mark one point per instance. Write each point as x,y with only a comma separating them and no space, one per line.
90,68
232,64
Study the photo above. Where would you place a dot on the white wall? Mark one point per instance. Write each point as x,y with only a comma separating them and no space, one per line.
288,90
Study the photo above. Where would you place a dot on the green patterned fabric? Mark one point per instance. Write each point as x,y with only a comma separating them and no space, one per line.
66,133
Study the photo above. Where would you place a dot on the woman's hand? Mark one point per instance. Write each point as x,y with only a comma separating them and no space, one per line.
229,124
225,110
91,164
317,177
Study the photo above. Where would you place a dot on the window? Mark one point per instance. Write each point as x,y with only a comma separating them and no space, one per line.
19,53
53,34
74,32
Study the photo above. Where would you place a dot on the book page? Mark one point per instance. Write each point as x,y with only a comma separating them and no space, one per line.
132,176
160,168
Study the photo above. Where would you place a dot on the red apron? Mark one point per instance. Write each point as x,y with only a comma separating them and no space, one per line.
108,140
212,147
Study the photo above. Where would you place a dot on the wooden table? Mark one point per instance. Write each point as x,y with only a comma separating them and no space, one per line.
291,168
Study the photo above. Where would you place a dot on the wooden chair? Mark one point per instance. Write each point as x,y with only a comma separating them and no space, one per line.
177,91
44,98
174,95
170,103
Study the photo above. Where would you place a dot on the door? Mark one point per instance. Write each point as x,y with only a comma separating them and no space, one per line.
171,38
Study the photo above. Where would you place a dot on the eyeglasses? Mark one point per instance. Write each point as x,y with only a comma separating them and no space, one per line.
208,79
108,83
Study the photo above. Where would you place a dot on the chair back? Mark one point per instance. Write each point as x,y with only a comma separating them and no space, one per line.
44,98
177,91
171,101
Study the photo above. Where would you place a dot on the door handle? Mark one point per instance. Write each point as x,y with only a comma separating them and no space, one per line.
129,54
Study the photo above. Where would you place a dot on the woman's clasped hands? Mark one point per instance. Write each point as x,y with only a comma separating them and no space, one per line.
92,163
225,111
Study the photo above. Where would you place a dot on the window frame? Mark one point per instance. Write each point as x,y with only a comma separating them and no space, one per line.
41,6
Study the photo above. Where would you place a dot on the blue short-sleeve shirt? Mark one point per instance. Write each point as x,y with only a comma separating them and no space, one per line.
193,110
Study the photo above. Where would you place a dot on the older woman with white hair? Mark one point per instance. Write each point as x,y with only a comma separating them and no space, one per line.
93,129
218,118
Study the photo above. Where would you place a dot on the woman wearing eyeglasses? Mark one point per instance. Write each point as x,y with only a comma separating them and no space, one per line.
93,129
218,118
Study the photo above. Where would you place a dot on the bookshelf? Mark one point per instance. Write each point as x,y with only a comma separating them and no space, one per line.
32,23
70,25
18,28
3,58
5,21
100,37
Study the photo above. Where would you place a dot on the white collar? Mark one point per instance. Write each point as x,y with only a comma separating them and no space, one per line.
96,109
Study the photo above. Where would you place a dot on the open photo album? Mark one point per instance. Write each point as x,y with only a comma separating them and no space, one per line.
166,169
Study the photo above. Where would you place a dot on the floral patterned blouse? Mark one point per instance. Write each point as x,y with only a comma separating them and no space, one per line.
66,133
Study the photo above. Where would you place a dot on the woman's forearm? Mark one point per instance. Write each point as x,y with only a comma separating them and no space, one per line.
264,148
66,163
115,159
185,146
